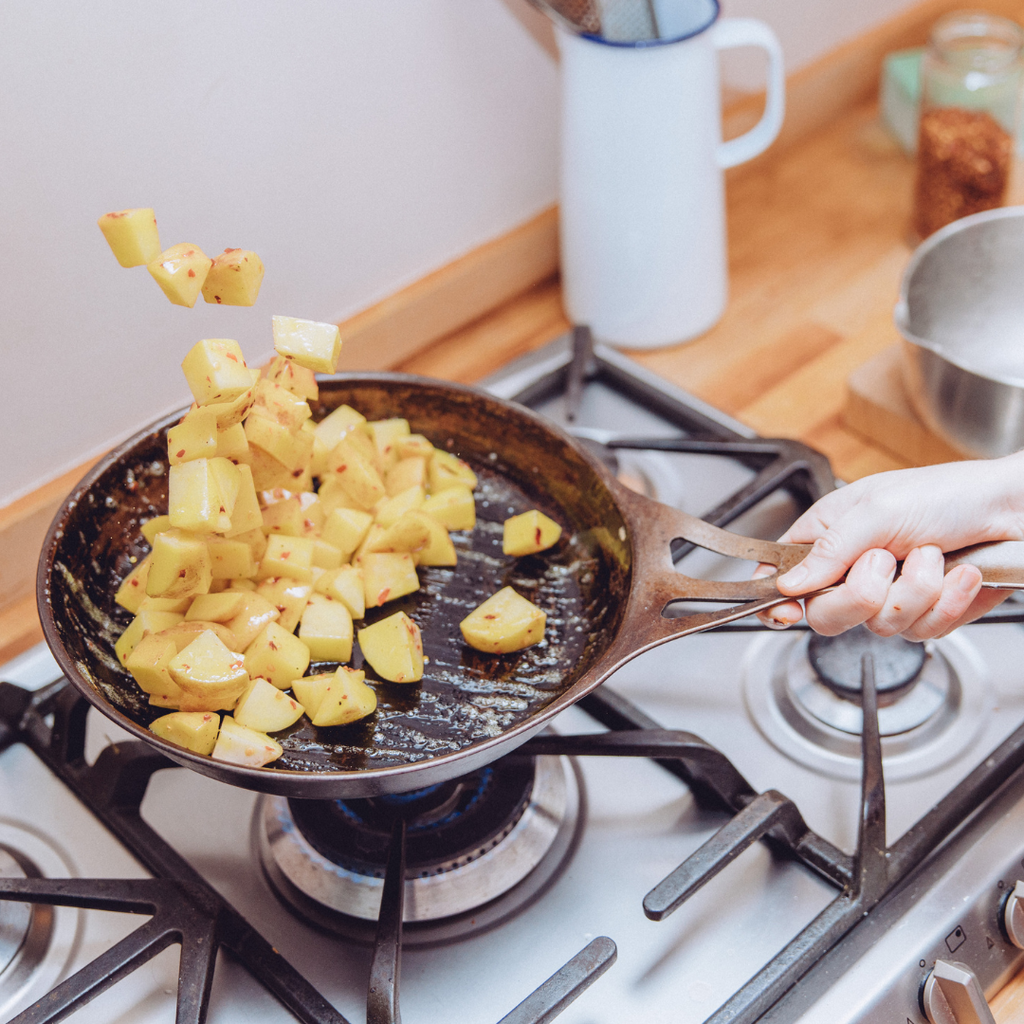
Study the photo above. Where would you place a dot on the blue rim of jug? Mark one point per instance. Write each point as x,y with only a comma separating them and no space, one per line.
642,44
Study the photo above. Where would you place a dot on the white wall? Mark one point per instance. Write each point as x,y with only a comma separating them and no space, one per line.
355,144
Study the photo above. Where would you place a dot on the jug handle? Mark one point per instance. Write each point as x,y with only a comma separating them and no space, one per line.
732,32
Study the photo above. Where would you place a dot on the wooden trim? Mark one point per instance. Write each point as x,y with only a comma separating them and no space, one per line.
450,298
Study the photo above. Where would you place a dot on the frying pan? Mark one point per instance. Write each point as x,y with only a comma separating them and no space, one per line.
605,588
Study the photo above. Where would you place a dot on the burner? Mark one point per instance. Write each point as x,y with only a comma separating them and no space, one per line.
803,694
838,663
36,941
478,849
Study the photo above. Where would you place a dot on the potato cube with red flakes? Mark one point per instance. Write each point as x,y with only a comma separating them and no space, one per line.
234,279
246,515
215,607
132,591
387,576
256,612
447,470
181,565
193,730
288,596
310,690
195,500
231,441
293,449
287,556
346,528
390,510
235,410
529,533
148,620
439,549
266,708
132,236
299,380
393,648
149,664
454,507
277,403
216,373
181,272
386,434
212,676
505,622
344,584
406,473
410,532
316,346
195,437
238,744
326,629
277,656
345,699
352,468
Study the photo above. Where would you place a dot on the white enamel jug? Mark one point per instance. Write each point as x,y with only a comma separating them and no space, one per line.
642,188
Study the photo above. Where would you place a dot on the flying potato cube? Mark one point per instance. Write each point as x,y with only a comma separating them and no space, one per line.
345,699
181,565
193,730
504,622
529,533
132,236
277,403
212,676
194,498
181,271
446,470
234,411
238,744
293,449
231,441
277,656
393,648
299,380
216,373
454,507
266,708
246,515
387,576
313,345
195,437
234,279
326,629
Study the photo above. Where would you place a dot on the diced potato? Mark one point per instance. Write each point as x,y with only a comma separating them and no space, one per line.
387,576
326,629
446,470
147,621
373,535
284,517
212,676
335,425
277,656
321,452
385,437
234,279
193,730
529,533
287,556
414,445
257,541
181,271
393,648
181,565
195,437
132,236
406,473
132,591
355,473
229,482
215,607
314,345
454,507
288,596
293,449
156,525
149,664
344,584
266,708
277,403
194,498
346,529
389,511
231,441
256,612
504,622
411,532
297,379
267,471
182,633
346,699
238,744
439,549
231,559
325,556
231,412
216,372
311,689
166,604
246,515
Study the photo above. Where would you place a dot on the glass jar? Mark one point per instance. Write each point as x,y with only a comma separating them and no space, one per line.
971,77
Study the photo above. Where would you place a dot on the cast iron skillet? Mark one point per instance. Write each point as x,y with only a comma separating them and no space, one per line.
604,588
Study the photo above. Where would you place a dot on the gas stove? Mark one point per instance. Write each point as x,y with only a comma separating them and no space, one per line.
706,816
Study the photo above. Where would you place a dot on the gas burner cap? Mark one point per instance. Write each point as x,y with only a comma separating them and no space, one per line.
924,724
478,850
36,941
838,663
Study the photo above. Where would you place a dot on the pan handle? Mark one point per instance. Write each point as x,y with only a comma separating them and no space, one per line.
657,583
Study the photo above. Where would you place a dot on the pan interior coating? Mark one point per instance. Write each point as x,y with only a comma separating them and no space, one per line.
465,696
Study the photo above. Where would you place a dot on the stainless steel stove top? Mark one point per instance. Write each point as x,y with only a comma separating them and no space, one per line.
640,821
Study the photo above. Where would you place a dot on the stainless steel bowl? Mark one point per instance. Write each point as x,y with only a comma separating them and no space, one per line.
961,314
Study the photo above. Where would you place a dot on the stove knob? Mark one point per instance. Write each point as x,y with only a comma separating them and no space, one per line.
952,995
1013,916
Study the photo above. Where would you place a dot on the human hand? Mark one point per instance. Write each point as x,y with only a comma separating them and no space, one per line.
913,515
